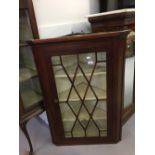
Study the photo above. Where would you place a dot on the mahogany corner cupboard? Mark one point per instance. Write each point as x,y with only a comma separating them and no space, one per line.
82,83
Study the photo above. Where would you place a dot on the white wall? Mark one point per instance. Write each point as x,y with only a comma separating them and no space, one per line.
60,17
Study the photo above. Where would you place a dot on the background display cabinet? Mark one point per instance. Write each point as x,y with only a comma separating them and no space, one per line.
123,19
31,100
82,82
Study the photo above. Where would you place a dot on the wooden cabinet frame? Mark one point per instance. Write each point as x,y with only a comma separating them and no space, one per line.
114,44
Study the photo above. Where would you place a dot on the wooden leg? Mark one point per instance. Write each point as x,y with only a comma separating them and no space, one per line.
24,129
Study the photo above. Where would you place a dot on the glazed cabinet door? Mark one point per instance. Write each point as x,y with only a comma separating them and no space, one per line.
82,82
30,92
82,93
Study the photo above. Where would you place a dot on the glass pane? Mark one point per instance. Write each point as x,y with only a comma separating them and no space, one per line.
63,83
87,62
56,60
26,73
101,56
129,71
100,76
25,32
26,57
129,81
67,116
81,88
30,92
70,65
29,84
92,129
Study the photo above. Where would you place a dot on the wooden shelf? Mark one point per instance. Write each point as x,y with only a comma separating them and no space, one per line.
99,114
101,94
30,98
26,73
99,70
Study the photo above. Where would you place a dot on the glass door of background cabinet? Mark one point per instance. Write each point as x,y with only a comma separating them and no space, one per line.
30,91
82,82
29,85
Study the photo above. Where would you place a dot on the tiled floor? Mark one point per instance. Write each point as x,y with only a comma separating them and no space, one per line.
42,144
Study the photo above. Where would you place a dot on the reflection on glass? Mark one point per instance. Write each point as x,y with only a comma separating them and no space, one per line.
25,32
81,87
129,71
129,81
